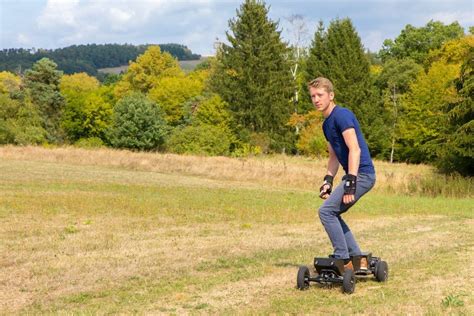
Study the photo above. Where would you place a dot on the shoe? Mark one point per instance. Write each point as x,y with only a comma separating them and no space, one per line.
364,265
349,266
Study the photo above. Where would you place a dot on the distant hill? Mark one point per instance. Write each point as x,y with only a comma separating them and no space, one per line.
186,65
86,58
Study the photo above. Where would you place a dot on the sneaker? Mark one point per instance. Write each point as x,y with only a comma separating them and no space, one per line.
349,266
363,263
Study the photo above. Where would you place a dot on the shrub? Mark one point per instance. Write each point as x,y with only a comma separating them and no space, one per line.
245,150
20,122
92,142
202,139
137,124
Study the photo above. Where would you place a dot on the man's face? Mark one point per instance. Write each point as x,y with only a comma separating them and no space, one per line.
321,98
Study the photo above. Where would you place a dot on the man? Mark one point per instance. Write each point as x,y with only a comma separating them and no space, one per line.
348,148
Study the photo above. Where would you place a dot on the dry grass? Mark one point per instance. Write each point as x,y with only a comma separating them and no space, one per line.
281,171
108,231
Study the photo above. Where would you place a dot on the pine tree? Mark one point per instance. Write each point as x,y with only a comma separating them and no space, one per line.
253,75
42,82
347,66
455,145
316,65
338,55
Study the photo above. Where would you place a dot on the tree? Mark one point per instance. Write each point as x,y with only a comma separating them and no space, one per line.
98,116
144,74
416,43
208,132
427,121
87,113
314,65
172,93
78,83
455,146
298,32
311,140
338,55
86,58
394,80
253,76
42,83
20,122
9,83
213,111
317,59
422,111
453,51
137,124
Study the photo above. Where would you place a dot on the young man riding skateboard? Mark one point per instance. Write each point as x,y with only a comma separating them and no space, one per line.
348,148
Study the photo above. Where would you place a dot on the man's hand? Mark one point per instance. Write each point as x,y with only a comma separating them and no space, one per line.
350,182
326,189
348,199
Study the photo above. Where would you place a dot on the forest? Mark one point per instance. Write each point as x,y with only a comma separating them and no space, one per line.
85,58
413,98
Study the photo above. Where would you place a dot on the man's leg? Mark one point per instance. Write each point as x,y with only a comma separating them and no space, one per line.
341,237
365,183
352,246
329,215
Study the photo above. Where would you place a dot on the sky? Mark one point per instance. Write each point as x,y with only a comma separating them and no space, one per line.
198,23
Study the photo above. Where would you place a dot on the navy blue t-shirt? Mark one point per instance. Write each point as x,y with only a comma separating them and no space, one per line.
337,122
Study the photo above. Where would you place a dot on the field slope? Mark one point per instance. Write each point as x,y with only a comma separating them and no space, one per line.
106,231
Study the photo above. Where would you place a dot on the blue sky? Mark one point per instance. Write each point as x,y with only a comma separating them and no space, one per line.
197,23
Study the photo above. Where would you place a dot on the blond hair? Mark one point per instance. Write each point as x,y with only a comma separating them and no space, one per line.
321,82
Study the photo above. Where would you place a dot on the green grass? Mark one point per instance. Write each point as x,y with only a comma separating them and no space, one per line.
98,239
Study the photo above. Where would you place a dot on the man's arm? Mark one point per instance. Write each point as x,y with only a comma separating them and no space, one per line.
333,165
350,138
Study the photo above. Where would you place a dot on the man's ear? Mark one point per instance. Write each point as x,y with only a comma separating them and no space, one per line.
331,96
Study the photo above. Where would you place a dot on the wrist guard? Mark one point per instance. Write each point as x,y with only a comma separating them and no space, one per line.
327,181
350,182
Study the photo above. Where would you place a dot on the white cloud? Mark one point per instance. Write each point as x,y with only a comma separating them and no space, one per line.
463,17
23,39
196,23
121,16
59,13
78,21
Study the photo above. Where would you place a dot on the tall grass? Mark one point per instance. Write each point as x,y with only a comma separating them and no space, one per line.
280,170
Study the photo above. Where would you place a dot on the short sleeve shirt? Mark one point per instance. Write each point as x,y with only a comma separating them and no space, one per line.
337,122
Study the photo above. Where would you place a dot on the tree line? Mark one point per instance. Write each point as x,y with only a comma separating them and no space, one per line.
413,98
85,58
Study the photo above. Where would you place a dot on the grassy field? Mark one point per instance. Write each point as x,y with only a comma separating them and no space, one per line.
105,231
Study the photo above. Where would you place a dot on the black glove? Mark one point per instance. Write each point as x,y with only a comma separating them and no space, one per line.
350,182
327,181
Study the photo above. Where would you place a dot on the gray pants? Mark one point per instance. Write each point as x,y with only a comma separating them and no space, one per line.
330,212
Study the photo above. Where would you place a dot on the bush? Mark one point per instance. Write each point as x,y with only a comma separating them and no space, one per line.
245,150
92,142
20,122
137,124
202,139
312,141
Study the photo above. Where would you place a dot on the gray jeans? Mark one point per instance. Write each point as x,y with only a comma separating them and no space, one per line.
341,237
